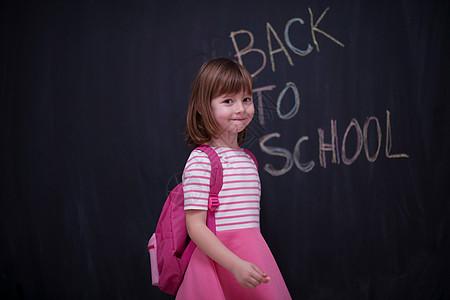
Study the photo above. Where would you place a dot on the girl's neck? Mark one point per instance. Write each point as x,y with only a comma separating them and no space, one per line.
225,142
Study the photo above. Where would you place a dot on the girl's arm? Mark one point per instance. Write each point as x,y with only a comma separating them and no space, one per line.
247,274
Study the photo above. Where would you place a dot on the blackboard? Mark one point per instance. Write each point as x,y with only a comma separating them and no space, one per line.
350,132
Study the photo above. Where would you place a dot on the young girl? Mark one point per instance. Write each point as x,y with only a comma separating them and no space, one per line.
236,263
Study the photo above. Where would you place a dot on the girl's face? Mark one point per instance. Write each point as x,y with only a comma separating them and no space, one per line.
233,112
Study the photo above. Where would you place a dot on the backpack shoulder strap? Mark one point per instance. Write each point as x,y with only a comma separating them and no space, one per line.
215,185
216,173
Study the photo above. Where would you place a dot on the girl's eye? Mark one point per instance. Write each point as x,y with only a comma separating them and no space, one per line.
228,101
248,100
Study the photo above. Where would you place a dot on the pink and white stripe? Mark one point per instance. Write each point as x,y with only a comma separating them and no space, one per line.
240,194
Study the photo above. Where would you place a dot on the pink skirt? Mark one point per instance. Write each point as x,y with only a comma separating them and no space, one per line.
205,279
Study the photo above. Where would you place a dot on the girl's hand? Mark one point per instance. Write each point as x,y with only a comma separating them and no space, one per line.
249,275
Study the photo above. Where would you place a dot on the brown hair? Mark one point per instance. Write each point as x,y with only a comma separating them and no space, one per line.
215,77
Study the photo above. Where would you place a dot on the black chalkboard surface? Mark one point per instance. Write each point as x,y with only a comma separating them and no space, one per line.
350,132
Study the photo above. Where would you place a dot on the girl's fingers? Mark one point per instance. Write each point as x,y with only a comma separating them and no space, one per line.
254,283
259,271
254,276
262,275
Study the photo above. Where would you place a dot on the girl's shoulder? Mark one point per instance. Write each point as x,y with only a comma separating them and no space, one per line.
197,158
197,153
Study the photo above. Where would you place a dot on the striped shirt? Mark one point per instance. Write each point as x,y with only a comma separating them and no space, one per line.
240,193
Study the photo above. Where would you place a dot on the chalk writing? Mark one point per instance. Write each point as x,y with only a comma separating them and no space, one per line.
277,152
304,167
259,97
295,108
366,143
340,149
389,139
270,31
361,140
249,48
348,161
314,28
288,39
333,147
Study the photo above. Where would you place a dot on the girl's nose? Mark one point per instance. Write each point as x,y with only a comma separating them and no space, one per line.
239,107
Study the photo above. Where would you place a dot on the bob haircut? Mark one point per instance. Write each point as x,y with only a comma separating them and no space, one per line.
216,77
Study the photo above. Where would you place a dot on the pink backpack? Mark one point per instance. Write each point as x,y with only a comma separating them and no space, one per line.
170,247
